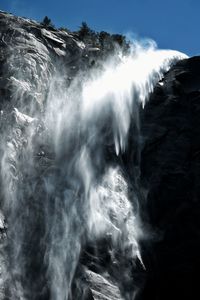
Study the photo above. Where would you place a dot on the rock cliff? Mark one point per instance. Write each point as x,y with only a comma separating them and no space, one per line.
162,165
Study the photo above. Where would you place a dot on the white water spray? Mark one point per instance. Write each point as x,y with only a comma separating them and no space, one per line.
79,195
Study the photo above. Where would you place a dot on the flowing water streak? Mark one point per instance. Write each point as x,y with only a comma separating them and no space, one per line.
121,85
80,141
85,197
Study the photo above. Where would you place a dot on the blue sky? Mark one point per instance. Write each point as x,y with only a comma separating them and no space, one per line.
173,24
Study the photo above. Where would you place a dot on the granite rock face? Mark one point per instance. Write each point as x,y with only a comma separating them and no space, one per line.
31,56
41,50
166,162
24,88
170,174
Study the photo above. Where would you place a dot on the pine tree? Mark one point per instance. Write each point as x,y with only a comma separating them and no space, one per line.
47,22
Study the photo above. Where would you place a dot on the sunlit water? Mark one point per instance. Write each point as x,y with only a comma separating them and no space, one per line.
74,195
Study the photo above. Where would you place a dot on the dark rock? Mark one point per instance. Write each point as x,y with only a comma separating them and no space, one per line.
170,174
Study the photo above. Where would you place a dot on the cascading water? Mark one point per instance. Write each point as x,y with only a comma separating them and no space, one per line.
62,177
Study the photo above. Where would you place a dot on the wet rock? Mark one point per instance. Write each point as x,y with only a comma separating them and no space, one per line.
101,288
39,48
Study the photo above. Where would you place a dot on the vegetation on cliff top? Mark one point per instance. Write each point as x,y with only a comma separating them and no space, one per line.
103,40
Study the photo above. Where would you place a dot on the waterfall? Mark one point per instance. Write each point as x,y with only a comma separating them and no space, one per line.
63,181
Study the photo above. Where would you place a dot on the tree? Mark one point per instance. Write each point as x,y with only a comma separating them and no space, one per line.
103,35
47,22
119,39
85,31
